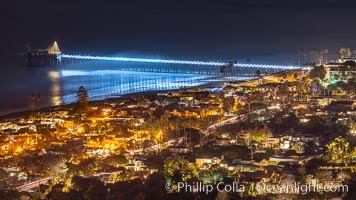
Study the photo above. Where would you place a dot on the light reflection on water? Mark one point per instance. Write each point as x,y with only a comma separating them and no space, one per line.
102,84
55,88
59,86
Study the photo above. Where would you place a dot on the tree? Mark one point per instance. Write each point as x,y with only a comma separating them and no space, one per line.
326,51
34,97
258,134
305,56
309,147
279,123
82,99
338,150
347,66
55,164
228,103
236,106
89,188
345,52
336,76
278,120
115,160
299,55
3,178
323,175
318,72
311,55
9,194
314,54
321,53
284,76
314,164
291,122
348,87
73,170
315,126
222,195
158,112
343,175
174,166
302,170
89,166
258,73
350,195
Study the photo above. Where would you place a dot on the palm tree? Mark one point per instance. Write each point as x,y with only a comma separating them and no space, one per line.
38,97
345,52
312,55
299,54
342,71
32,102
258,73
338,150
342,52
323,175
321,53
354,52
284,92
267,134
284,76
316,54
326,51
82,99
279,121
305,56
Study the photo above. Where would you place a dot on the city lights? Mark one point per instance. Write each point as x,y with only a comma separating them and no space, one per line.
190,100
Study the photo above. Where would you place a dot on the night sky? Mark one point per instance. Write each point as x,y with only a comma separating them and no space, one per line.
269,31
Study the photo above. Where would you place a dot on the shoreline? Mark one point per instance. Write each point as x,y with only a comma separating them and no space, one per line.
18,114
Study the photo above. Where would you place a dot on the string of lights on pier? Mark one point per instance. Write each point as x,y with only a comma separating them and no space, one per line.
183,62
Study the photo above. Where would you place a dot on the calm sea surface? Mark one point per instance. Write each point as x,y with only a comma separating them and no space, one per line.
59,86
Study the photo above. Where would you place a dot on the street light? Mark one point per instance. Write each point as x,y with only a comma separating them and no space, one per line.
134,143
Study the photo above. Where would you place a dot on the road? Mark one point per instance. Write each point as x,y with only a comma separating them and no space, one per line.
156,147
33,184
237,118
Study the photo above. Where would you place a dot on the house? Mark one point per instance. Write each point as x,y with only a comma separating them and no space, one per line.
109,176
263,163
258,176
208,162
273,141
284,159
179,149
322,100
306,138
225,142
242,166
136,165
341,106
333,71
68,123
